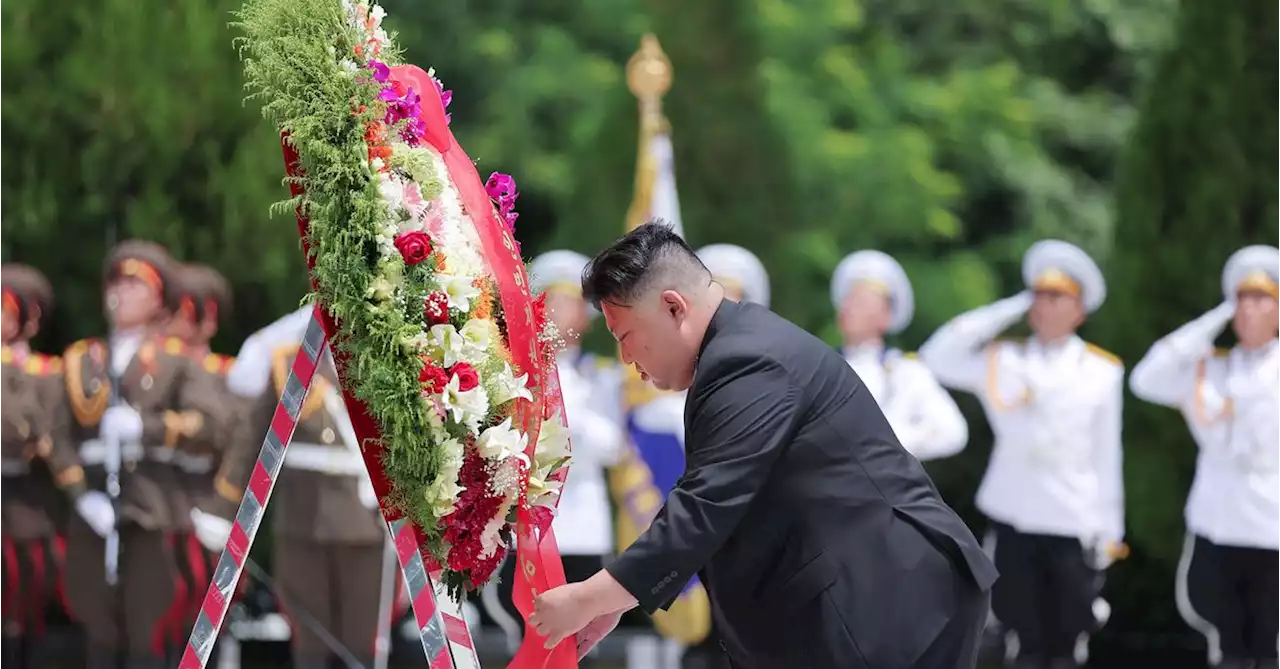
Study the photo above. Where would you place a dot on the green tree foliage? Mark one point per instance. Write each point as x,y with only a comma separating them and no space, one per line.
126,120
1197,182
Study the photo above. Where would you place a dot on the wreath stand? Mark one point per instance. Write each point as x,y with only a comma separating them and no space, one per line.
446,640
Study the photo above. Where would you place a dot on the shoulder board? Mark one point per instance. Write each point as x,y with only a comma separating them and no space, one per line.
909,355
79,347
174,346
1221,352
52,363
6,356
40,364
603,363
1104,354
216,363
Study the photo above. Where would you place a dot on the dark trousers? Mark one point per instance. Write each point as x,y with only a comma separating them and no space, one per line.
1231,594
1045,594
336,587
31,568
134,617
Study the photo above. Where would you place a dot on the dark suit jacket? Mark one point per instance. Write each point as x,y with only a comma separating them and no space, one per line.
821,542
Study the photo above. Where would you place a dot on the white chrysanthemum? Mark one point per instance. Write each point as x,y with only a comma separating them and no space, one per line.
506,386
501,441
380,290
445,490
467,408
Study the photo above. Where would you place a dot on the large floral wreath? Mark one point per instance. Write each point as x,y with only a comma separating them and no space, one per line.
398,262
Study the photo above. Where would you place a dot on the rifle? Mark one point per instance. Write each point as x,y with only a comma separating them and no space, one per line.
112,465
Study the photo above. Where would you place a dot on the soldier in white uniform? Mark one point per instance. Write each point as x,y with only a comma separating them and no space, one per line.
872,297
1053,489
590,385
1227,578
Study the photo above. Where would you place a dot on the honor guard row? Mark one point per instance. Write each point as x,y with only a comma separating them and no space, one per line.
125,458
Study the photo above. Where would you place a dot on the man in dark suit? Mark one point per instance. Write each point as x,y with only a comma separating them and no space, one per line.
822,543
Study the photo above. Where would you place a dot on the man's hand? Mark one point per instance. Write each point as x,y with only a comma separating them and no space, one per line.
596,630
560,612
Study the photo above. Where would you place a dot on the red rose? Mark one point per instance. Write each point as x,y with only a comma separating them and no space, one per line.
467,376
437,308
413,246
433,378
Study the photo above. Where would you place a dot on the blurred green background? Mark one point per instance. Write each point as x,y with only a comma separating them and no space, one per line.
950,134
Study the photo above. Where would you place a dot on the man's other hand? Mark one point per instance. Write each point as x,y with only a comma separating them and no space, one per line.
596,630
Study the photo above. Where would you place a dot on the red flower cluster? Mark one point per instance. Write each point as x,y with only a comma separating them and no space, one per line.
468,379
437,308
433,378
464,527
414,246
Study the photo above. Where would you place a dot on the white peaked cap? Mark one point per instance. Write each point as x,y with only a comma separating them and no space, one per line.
879,268
251,373
1052,263
1256,267
557,270
734,264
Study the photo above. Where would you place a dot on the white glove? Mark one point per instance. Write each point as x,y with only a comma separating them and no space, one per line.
123,423
211,531
368,497
96,510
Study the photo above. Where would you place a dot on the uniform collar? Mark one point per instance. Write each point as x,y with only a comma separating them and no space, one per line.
1068,345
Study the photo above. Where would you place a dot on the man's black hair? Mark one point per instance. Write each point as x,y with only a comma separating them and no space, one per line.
626,269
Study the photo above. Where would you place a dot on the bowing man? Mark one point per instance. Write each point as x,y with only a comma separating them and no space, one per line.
873,298
1053,489
821,542
1227,578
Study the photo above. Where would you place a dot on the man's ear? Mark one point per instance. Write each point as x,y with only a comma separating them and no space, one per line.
674,304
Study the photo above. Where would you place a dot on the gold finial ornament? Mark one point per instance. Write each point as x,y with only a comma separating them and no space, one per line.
649,70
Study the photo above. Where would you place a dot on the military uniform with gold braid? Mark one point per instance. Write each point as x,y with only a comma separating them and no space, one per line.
34,467
1053,489
329,536
924,417
164,399
1227,578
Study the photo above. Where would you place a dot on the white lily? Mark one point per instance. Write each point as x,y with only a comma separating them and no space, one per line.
466,407
506,386
460,289
502,441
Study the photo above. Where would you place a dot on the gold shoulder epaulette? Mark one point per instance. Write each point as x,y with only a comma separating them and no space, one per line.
212,364
6,356
909,355
1221,352
87,409
1104,354
604,363
174,346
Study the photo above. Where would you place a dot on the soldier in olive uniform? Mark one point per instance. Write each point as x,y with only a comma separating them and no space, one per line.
199,295
136,391
33,466
329,537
